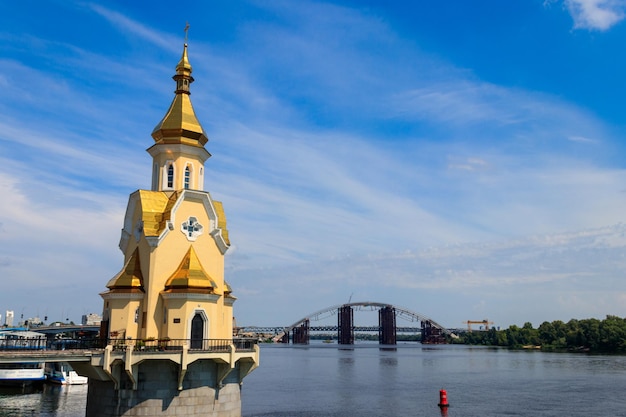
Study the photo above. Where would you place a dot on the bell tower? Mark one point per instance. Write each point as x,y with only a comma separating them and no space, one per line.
178,152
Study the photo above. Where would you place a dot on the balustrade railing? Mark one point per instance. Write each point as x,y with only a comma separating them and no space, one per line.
145,345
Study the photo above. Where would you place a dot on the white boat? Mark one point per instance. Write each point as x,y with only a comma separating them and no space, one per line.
21,373
63,374
21,339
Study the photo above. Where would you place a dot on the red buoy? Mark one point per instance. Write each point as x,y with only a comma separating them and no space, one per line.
443,398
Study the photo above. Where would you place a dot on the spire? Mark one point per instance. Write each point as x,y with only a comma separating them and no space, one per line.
180,124
183,76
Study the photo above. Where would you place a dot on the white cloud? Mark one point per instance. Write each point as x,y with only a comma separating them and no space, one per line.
596,14
324,192
133,27
521,271
582,139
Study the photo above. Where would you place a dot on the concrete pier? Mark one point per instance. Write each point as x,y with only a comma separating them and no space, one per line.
168,383
158,394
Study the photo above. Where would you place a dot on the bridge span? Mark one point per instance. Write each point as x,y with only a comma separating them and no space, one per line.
299,331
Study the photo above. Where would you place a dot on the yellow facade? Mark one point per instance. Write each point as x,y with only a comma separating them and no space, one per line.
174,239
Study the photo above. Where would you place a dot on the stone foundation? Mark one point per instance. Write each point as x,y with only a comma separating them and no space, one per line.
157,392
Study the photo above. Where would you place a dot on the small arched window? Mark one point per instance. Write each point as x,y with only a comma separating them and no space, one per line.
187,177
170,176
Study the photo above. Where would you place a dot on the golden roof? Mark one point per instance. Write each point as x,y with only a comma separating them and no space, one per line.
130,277
180,124
190,275
221,220
156,210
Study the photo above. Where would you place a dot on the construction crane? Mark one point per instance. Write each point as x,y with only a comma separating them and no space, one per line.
485,323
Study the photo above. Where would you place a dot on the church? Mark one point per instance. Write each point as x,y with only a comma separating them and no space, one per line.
167,320
174,239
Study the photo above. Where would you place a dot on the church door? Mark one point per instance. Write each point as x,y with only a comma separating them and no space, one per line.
197,331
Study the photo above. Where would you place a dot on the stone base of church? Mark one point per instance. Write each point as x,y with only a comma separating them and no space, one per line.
157,392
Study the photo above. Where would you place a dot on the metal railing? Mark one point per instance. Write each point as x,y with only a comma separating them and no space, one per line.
205,345
20,344
149,345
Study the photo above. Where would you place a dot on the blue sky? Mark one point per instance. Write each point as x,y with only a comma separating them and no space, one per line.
461,160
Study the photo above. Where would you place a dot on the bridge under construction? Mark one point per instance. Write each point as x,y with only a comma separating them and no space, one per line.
300,332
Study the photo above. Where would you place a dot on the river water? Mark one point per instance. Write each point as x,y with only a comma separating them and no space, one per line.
327,380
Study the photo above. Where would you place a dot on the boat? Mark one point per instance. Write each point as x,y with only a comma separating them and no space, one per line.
21,339
63,374
21,374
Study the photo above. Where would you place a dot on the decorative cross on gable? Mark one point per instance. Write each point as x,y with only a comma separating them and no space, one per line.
191,228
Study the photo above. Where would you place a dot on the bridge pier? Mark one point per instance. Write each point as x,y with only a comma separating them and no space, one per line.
345,323
300,334
387,326
431,334
284,338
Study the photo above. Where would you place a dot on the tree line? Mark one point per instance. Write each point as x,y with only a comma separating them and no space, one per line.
589,335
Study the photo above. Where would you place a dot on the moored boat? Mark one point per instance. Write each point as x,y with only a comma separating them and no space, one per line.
63,374
21,374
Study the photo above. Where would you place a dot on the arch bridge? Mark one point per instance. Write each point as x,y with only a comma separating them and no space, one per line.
431,331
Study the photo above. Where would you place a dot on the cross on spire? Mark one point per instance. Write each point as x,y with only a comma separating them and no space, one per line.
186,31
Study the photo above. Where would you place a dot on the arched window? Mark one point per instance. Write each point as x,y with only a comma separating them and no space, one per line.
187,177
170,176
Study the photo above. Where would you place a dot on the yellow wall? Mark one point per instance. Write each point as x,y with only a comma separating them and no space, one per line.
158,264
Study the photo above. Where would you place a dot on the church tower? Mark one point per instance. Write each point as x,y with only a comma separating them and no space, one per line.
174,239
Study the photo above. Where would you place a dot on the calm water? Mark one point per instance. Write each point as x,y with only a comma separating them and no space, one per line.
323,380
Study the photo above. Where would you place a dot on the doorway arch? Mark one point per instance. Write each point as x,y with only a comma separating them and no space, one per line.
198,329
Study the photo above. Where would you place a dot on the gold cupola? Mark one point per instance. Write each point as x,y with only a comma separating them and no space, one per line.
180,124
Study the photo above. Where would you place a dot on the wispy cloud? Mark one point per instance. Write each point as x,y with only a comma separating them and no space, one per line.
515,270
133,27
596,14
348,160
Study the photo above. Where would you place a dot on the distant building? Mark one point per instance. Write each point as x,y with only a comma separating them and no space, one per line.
8,318
91,319
34,321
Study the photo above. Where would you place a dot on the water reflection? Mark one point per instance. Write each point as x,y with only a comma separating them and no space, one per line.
20,403
55,400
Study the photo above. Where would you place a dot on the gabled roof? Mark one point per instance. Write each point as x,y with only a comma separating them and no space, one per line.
130,277
156,210
221,220
190,275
